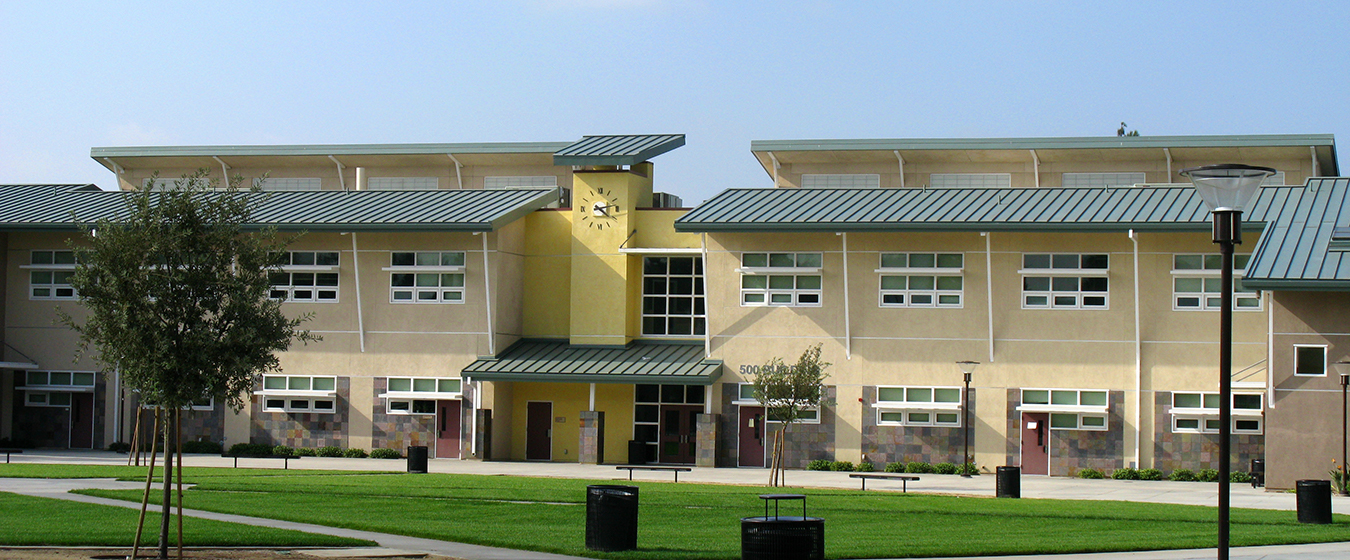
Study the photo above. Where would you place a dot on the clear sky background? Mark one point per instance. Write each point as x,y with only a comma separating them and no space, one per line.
78,75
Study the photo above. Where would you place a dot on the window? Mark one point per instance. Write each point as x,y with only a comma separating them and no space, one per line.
418,395
519,182
919,406
780,279
50,275
299,393
672,296
841,181
1070,409
289,183
1199,413
921,279
202,404
1064,281
1310,360
970,180
426,277
1196,283
647,401
53,388
39,399
1074,180
303,278
402,183
746,397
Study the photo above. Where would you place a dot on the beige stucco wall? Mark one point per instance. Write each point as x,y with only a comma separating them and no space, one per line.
1304,420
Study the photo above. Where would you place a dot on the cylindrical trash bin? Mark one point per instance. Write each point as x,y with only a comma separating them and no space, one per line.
1314,501
637,452
782,538
1009,482
1258,473
417,459
611,517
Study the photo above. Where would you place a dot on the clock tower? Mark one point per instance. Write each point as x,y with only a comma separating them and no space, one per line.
606,282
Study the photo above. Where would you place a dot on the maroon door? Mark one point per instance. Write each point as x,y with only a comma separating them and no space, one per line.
539,431
677,433
82,420
1035,443
447,430
752,436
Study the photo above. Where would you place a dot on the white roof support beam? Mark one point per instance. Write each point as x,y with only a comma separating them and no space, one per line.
1168,152
901,161
341,180
776,165
1317,169
459,178
224,171
1036,167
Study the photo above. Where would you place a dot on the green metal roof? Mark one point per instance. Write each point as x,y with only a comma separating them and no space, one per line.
44,207
1227,141
557,361
1300,249
617,150
1159,208
329,149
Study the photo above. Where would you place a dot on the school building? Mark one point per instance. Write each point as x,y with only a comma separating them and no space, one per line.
546,301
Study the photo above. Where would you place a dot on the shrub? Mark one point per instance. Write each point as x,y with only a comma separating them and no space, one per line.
119,447
895,467
283,451
306,452
865,467
968,468
329,451
944,468
1094,474
819,465
1207,475
355,453
1126,473
842,466
384,454
250,450
1150,474
919,467
1182,475
1240,477
202,447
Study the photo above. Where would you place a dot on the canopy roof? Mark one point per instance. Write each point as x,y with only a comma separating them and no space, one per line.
676,363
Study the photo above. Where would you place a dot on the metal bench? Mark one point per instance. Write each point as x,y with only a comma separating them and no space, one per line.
631,468
285,465
8,450
903,478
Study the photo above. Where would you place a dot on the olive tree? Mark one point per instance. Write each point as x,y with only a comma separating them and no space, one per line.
786,391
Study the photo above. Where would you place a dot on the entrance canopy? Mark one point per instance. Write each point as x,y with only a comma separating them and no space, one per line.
555,361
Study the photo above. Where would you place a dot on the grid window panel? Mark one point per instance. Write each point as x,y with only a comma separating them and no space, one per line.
55,283
289,183
426,286
1099,180
786,289
321,287
841,181
517,182
403,183
1201,292
970,180
672,297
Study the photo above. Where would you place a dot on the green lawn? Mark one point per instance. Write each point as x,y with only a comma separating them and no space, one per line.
35,470
702,521
32,521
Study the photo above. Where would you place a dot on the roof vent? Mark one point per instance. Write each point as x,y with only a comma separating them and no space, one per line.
666,200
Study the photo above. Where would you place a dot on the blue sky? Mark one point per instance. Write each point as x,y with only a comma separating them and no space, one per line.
78,75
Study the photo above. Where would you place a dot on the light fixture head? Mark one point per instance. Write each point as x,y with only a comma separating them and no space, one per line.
967,366
1227,186
1343,367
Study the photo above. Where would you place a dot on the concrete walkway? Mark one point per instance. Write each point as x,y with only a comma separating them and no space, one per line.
1191,493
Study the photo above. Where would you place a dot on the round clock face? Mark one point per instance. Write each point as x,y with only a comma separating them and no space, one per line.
599,210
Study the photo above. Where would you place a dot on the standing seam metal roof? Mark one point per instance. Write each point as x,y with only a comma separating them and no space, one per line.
639,362
617,150
1296,250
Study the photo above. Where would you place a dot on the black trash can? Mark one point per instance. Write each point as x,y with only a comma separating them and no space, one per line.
782,537
637,452
417,459
1009,482
1258,473
1314,501
611,517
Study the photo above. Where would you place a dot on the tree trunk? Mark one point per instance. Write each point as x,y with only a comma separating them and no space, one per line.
178,437
167,501
145,499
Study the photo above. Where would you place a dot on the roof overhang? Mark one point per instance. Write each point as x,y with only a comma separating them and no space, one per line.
551,361
317,155
629,149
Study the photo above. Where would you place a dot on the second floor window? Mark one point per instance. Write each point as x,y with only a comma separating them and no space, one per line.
426,277
672,296
1065,281
921,279
780,279
50,273
306,276
1197,284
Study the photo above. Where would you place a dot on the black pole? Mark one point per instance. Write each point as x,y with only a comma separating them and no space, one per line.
1344,490
1227,232
965,446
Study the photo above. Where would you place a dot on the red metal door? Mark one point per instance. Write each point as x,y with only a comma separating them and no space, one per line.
82,420
1035,443
678,424
539,431
447,430
751,436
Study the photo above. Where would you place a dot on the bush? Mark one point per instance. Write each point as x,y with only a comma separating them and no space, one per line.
819,465
306,452
210,447
1240,477
283,451
1150,474
968,468
329,451
1095,474
919,467
865,467
944,468
384,454
355,453
895,467
119,447
845,466
1126,473
250,450
1182,475
1207,475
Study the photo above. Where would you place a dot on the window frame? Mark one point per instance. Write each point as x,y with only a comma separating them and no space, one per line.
52,269
742,401
1204,274
932,407
1323,348
936,272
871,180
697,298
289,397
412,395
1053,273
290,269
769,272
441,271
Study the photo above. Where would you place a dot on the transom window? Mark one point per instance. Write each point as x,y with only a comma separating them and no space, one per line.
970,180
1065,281
289,183
519,181
780,279
304,277
403,183
299,393
53,388
426,277
746,397
1197,284
921,279
50,277
1199,413
672,296
919,406
1242,402
841,180
1310,360
1071,180
1070,409
418,395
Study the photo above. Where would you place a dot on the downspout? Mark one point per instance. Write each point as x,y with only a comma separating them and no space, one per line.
1036,162
341,180
1168,152
487,297
902,167
1270,349
459,178
592,405
117,404
775,168
224,171
474,404
989,289
356,271
848,335
707,323
1138,357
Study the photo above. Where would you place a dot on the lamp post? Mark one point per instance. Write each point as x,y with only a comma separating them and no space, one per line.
1343,368
967,368
1227,190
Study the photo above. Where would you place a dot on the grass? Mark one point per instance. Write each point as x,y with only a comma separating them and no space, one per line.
123,472
33,521
702,521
